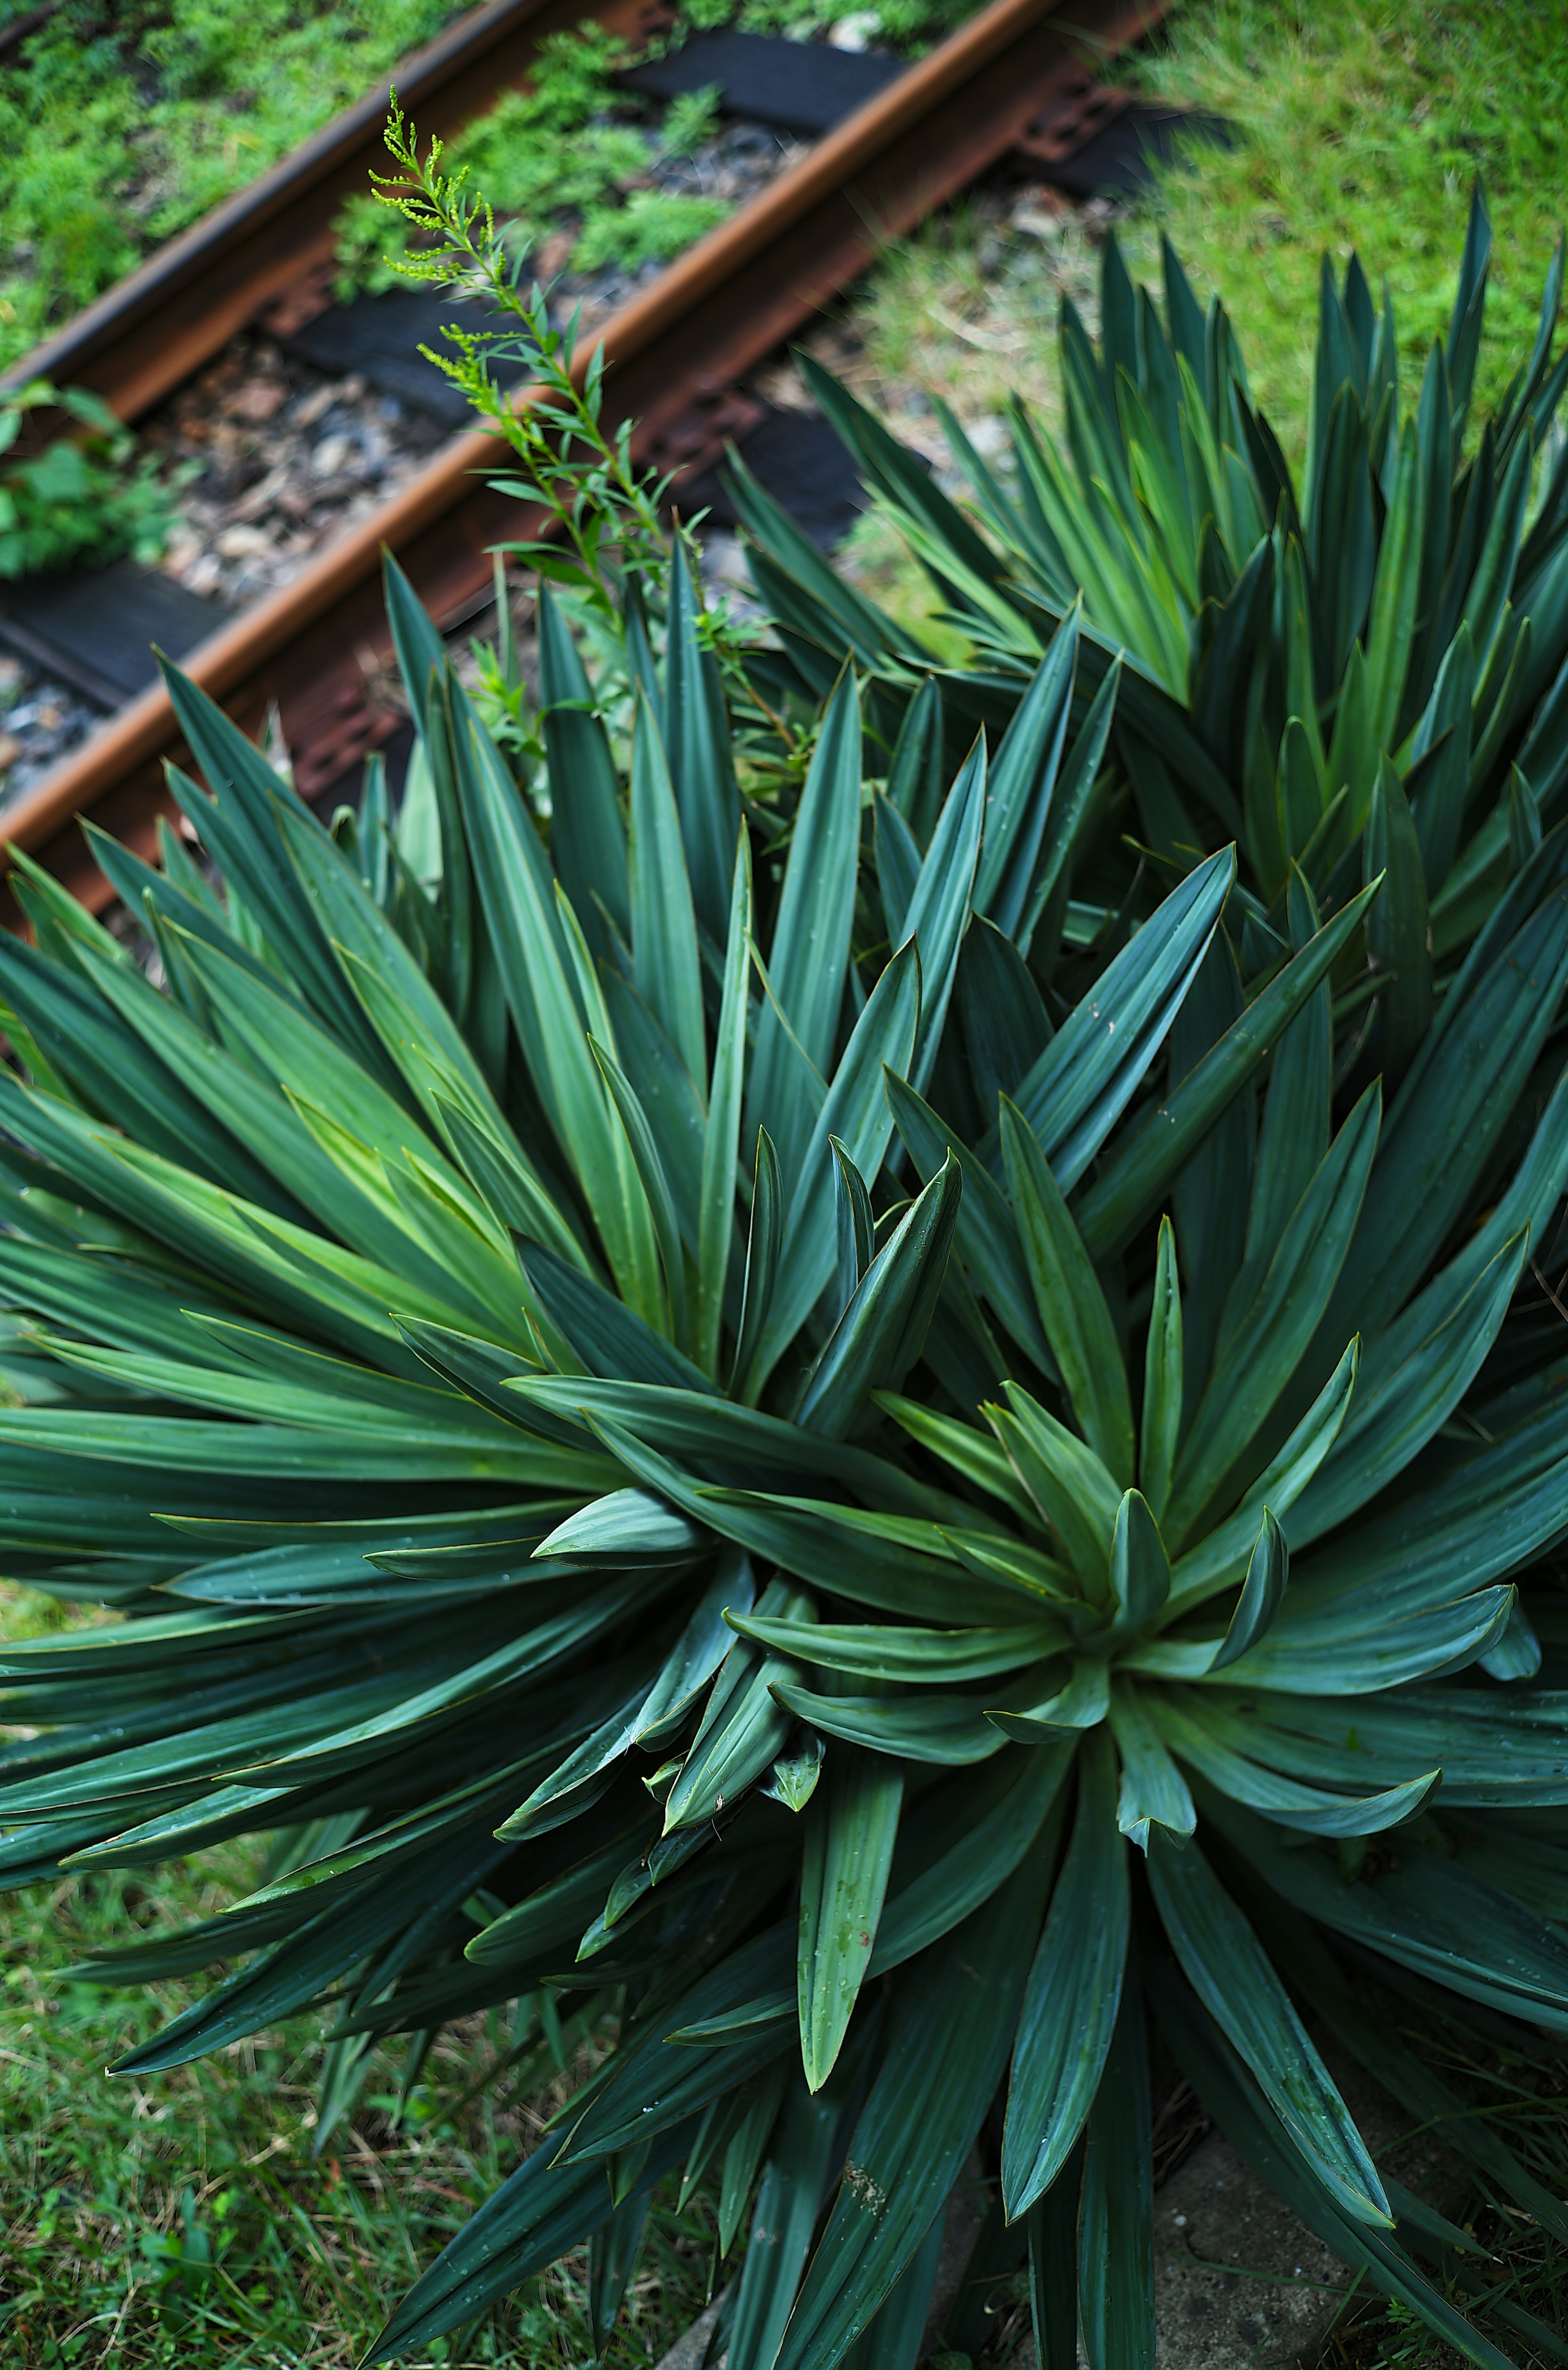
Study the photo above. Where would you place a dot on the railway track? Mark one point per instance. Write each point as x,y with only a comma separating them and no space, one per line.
1018,75
267,244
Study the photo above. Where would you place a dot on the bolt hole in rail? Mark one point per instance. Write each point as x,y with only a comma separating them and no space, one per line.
315,649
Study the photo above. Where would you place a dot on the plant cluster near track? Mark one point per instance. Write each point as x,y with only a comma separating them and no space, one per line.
122,124
570,145
80,498
567,164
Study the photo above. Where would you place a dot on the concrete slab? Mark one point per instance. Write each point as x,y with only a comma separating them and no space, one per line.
1239,2281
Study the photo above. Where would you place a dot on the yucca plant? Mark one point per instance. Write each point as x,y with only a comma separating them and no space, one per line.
707,1465
1368,670
662,1529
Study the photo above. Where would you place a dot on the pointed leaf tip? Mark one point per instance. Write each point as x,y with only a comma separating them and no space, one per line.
1262,1595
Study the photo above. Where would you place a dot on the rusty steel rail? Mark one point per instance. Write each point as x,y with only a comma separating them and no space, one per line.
320,647
149,332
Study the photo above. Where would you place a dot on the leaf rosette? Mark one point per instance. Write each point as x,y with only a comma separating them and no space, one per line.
709,1444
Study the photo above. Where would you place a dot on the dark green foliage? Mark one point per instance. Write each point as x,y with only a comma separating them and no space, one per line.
905,1472
79,503
1366,669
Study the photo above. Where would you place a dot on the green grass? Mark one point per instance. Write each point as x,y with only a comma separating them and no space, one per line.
121,122
1364,123
1519,2268
180,2221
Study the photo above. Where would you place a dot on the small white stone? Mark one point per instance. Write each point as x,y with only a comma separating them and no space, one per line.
329,455
243,543
310,409
855,32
